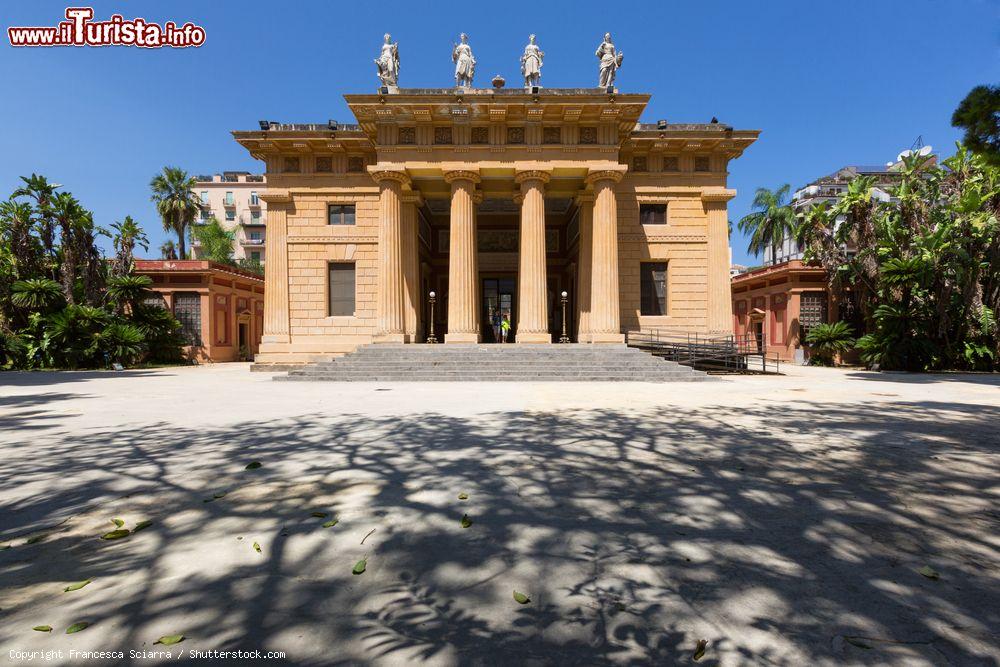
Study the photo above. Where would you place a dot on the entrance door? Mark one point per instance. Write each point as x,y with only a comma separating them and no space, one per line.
498,297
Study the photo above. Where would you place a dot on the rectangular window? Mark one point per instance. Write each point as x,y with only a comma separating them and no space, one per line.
291,165
204,197
671,163
812,311
255,255
639,163
480,135
653,214
206,215
255,236
187,310
254,199
341,288
653,278
355,164
229,199
341,214
255,216
230,215
324,164
701,163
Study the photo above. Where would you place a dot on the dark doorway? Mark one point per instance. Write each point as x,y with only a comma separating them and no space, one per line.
244,344
498,297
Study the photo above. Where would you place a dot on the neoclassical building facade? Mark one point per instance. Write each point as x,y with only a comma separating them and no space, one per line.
498,202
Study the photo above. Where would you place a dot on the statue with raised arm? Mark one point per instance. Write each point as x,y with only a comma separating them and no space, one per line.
465,64
611,60
387,62
531,63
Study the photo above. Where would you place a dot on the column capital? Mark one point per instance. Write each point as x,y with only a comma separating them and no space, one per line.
275,197
717,195
452,175
613,174
532,175
412,197
383,173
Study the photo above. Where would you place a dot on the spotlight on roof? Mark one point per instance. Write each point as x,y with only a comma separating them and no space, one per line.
265,125
661,125
715,121
331,124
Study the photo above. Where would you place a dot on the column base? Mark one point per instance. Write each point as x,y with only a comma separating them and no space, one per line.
461,338
607,338
391,338
527,338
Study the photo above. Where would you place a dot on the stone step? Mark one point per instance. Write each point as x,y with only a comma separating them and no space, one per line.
494,363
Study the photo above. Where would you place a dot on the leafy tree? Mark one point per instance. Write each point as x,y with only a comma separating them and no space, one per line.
216,241
176,202
771,222
979,115
59,307
924,268
827,340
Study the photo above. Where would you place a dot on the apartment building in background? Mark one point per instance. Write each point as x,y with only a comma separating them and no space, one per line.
233,198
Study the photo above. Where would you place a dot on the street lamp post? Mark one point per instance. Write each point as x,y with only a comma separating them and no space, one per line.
431,338
564,338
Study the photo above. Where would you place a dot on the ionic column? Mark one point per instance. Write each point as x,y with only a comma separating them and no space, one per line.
532,290
390,303
276,269
585,202
411,269
719,315
463,266
605,318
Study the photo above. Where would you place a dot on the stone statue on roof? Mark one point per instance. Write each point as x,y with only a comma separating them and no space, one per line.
387,62
531,63
611,60
465,63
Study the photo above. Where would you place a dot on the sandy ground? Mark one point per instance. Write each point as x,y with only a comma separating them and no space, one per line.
783,519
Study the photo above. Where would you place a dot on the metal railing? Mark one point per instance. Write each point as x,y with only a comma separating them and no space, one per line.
724,353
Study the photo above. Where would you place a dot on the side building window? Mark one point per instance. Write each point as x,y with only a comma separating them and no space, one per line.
341,288
187,310
812,311
653,281
652,214
339,214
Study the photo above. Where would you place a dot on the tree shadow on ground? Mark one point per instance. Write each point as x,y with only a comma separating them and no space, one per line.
794,537
981,379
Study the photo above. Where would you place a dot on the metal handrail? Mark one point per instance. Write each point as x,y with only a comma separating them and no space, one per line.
730,353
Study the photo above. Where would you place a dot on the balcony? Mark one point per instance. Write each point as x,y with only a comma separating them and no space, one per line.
229,203
253,242
254,202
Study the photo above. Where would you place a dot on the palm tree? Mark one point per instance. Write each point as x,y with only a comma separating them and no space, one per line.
128,235
38,188
173,194
72,219
168,250
771,222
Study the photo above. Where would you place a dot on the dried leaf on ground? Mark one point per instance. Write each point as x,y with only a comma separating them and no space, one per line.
699,649
42,628
466,521
929,572
256,547
331,523
253,465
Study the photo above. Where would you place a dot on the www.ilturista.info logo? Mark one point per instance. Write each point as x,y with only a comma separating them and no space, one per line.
80,30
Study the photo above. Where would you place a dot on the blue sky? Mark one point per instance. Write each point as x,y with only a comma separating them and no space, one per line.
828,84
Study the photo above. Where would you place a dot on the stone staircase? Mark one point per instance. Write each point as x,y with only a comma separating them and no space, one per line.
493,363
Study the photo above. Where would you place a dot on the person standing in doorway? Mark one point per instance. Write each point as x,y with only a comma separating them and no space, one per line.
505,327
496,322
